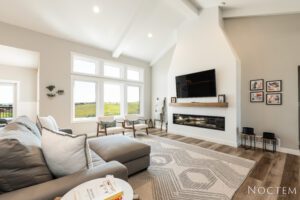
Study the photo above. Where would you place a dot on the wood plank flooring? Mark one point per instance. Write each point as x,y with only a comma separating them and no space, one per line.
271,169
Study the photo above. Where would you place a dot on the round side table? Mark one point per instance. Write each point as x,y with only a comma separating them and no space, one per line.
127,189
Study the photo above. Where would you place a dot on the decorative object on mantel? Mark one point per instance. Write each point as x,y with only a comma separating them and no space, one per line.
221,98
256,97
257,84
274,86
274,99
52,92
173,99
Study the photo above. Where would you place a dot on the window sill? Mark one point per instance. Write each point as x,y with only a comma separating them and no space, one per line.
86,120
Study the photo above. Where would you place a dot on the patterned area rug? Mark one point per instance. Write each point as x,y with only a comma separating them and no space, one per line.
180,171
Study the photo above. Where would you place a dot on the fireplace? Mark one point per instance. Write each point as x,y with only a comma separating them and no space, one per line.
202,121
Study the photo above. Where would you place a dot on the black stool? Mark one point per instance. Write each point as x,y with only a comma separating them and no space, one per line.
267,136
248,132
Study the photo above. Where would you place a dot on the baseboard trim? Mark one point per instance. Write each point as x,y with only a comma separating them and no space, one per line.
295,152
224,142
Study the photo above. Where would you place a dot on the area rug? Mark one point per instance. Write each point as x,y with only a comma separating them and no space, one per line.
180,171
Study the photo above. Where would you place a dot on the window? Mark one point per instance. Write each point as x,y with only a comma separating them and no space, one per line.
7,100
84,95
133,75
112,71
112,99
133,99
105,88
84,66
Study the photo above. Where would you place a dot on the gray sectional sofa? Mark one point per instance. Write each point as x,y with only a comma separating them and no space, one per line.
21,157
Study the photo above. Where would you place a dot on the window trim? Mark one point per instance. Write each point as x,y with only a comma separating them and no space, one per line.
87,59
100,70
100,80
16,85
86,119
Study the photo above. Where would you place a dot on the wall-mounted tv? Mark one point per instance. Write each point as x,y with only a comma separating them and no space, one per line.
200,84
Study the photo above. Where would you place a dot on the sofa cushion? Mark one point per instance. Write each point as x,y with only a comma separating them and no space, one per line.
96,159
21,158
48,123
119,148
65,154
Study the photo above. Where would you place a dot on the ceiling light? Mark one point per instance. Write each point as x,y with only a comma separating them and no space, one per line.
150,35
96,9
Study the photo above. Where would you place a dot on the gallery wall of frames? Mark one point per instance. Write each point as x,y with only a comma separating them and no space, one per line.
266,91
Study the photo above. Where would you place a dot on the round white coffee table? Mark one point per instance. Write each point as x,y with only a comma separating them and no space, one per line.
127,189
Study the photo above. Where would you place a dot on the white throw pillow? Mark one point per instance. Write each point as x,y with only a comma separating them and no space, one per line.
48,123
65,154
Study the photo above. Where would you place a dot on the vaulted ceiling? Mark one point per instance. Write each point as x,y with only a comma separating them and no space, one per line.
126,26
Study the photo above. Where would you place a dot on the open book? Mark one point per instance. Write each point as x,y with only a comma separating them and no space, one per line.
104,190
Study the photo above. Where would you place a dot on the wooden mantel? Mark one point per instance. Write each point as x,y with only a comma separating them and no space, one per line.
200,104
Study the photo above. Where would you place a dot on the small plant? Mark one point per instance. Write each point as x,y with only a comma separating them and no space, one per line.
60,92
51,95
50,87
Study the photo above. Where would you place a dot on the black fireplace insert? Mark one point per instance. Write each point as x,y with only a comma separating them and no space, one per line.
202,121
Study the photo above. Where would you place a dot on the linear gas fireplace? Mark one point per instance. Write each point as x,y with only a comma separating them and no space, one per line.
211,122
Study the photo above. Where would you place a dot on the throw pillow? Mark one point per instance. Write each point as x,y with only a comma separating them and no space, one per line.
135,122
108,124
21,158
65,154
48,123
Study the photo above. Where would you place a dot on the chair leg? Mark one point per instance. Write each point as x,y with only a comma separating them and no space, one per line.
147,131
133,132
123,132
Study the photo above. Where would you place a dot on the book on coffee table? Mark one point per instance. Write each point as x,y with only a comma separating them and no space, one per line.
104,190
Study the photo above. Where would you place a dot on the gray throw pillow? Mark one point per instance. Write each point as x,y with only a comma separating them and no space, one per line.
108,124
21,162
65,154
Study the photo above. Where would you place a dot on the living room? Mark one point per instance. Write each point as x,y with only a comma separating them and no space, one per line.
109,70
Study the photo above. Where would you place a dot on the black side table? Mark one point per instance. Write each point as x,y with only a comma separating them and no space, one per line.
269,137
252,141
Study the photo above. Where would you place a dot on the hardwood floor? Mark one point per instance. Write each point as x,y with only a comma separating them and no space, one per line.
271,169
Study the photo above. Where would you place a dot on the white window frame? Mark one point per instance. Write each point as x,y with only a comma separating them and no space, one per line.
16,85
84,79
85,58
121,84
139,70
100,79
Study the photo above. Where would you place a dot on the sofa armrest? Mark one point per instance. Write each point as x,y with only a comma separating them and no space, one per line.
58,187
69,131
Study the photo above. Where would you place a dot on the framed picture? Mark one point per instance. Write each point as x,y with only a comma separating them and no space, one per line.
173,99
274,86
221,98
274,99
256,97
257,84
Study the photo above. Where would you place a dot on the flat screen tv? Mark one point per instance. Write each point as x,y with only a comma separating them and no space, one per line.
200,84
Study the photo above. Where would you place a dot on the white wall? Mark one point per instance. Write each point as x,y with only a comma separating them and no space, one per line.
159,78
26,79
269,48
202,45
55,65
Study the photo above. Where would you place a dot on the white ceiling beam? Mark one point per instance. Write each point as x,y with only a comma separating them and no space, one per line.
170,43
189,8
143,12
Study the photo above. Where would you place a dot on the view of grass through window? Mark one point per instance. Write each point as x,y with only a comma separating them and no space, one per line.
85,99
133,99
112,99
